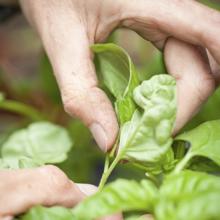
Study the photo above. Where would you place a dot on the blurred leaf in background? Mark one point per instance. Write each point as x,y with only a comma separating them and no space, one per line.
47,80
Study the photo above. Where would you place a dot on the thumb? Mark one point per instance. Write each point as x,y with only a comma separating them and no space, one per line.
80,94
71,60
195,83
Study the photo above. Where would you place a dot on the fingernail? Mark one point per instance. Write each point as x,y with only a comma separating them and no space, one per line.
87,189
99,135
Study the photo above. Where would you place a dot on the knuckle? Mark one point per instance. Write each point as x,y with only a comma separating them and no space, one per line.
73,100
210,36
57,181
71,107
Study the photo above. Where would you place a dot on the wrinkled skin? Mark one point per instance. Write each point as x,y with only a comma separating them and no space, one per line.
47,185
185,30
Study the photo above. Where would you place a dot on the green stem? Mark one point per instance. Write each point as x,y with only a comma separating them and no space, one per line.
106,166
107,173
22,109
153,179
112,152
182,164
139,166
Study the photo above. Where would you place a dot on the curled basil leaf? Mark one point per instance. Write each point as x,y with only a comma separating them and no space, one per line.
146,138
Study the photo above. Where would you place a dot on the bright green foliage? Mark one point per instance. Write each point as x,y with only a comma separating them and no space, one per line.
118,74
36,145
147,137
54,213
204,141
189,195
121,195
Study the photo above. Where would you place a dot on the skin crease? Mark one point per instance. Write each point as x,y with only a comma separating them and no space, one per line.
184,29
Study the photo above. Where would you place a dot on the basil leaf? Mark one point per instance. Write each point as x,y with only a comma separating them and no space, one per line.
204,141
192,194
40,143
147,137
121,195
42,213
119,75
135,217
204,165
3,164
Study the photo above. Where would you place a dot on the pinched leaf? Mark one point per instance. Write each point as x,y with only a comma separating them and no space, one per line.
40,143
42,213
204,141
121,195
189,195
147,136
119,75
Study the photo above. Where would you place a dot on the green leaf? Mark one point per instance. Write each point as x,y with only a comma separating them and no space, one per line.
119,75
42,213
204,141
3,164
147,137
189,195
204,165
136,217
121,195
47,79
40,143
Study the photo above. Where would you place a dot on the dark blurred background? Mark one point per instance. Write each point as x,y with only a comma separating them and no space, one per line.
26,77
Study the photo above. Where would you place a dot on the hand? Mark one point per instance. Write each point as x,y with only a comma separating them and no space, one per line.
47,185
67,29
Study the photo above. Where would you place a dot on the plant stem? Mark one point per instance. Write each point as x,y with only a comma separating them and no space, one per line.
153,179
22,109
106,166
107,173
181,165
139,166
112,152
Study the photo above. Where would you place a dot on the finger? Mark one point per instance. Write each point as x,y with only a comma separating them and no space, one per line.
113,217
189,21
215,67
6,218
22,189
67,45
195,83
